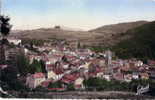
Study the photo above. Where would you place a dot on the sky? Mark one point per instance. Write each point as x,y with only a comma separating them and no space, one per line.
80,14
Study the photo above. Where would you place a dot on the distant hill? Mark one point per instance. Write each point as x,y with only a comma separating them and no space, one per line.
84,37
140,44
103,36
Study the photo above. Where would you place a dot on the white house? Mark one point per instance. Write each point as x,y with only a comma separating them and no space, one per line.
138,63
51,74
107,77
26,50
14,41
78,84
135,76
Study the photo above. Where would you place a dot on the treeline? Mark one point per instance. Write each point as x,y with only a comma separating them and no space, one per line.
36,42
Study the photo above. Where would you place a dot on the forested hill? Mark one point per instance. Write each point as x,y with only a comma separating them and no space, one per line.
141,44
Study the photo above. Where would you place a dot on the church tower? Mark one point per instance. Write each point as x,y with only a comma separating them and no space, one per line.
108,61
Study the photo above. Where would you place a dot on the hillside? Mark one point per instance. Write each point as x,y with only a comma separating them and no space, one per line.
110,36
84,37
118,28
141,44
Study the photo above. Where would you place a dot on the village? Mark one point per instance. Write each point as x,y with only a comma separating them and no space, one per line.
73,65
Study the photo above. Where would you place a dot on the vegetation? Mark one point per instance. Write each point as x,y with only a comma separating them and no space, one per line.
141,45
24,67
4,31
57,84
35,67
33,42
22,64
70,87
5,26
9,76
102,84
98,48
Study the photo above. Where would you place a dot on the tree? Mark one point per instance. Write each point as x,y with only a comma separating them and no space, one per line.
57,84
5,26
43,66
22,64
79,45
8,75
4,31
70,87
35,67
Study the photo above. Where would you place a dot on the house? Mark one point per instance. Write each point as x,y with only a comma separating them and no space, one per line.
51,74
49,67
65,65
46,83
70,78
135,76
107,77
128,78
35,80
14,41
144,75
100,74
138,63
151,62
118,76
78,84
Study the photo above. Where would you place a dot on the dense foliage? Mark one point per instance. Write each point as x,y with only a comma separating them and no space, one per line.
57,84
9,76
22,64
141,45
5,25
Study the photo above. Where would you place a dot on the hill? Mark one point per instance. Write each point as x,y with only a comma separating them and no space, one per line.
110,35
140,44
118,28
84,37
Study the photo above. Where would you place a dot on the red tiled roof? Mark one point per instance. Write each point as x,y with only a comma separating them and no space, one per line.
50,65
57,55
70,77
118,76
66,80
38,75
58,71
46,83
98,70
